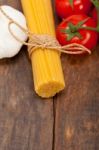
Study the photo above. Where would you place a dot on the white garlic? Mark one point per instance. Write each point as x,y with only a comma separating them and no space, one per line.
9,46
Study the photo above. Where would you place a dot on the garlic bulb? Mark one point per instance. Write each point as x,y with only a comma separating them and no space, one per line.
9,46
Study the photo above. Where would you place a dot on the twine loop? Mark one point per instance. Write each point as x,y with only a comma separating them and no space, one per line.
44,41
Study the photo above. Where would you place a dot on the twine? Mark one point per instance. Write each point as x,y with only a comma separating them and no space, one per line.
44,41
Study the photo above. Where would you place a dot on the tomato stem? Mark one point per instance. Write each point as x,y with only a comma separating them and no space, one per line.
79,25
71,3
89,28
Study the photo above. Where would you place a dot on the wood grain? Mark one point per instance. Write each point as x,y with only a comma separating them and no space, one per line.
26,121
69,122
77,107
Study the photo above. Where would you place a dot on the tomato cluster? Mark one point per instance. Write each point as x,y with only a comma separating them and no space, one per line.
79,22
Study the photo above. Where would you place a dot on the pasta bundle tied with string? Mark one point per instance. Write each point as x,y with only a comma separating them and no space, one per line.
43,47
46,64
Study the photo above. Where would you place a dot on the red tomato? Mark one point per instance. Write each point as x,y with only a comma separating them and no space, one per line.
64,8
88,38
94,14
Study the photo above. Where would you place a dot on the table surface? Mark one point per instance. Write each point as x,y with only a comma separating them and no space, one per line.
69,121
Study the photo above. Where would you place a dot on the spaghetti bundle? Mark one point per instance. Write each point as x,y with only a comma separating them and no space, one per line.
46,63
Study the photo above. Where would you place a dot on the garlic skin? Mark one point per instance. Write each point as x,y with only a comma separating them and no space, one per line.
9,46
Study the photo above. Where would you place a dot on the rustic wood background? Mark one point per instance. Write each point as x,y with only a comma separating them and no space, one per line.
69,121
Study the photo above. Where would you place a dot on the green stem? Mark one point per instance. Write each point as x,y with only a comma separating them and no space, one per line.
90,28
71,3
75,28
96,4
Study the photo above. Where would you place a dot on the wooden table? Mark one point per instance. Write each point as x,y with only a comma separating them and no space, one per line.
69,121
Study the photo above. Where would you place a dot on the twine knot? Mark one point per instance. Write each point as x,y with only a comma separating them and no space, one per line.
42,41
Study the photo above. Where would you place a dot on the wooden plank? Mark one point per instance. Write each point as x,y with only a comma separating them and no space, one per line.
26,121
77,107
